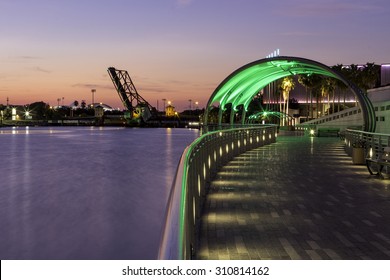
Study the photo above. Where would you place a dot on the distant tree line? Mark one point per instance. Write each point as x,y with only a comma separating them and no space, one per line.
43,111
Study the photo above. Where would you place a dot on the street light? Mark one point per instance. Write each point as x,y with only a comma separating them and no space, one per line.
164,99
93,97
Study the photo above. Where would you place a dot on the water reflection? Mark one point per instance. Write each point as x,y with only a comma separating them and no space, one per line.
86,193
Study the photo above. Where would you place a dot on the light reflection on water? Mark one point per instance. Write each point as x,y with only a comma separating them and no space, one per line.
85,193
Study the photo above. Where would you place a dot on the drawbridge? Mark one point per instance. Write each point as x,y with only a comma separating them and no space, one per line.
136,105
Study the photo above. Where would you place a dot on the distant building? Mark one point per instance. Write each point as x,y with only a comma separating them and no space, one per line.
14,115
170,111
99,111
104,106
385,74
380,97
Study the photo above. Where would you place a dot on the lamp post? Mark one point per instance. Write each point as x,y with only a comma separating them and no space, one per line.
164,99
93,96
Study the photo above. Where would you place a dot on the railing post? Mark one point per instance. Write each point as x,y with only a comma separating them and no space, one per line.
374,142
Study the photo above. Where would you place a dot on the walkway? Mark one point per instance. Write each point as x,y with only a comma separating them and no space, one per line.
300,198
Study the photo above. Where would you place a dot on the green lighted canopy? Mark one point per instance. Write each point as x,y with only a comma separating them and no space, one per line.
266,114
242,85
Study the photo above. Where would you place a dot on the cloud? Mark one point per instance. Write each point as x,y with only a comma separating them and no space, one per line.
93,86
27,57
39,69
177,82
155,89
20,59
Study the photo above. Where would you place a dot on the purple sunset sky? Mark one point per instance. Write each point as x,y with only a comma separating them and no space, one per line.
173,49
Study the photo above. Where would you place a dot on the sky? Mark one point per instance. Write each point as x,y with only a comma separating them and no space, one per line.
178,50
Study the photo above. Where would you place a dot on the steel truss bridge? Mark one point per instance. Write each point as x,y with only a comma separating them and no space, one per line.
133,102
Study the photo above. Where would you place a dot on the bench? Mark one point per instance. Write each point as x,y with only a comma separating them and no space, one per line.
381,161
331,132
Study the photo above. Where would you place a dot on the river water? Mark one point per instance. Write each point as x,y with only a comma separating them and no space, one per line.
86,192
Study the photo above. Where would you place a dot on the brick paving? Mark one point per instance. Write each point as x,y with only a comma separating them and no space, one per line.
300,198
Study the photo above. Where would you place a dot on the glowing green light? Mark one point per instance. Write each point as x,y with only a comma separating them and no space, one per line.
239,88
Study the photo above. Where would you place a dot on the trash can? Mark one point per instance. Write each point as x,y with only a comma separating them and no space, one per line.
358,156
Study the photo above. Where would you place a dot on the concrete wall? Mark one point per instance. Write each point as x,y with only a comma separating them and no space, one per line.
353,118
379,94
349,118
380,97
352,121
382,113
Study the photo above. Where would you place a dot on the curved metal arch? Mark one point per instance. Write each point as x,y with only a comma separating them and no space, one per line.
244,83
279,115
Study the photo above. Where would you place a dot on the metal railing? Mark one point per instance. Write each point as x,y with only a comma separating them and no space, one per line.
225,126
372,143
198,163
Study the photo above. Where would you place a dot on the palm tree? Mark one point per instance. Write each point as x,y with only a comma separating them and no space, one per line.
304,81
355,74
370,75
287,85
311,82
340,86
277,95
327,87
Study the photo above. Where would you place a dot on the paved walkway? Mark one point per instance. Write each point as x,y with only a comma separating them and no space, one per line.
300,198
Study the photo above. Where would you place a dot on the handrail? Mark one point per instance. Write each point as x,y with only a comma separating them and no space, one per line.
368,133
225,126
198,163
373,143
